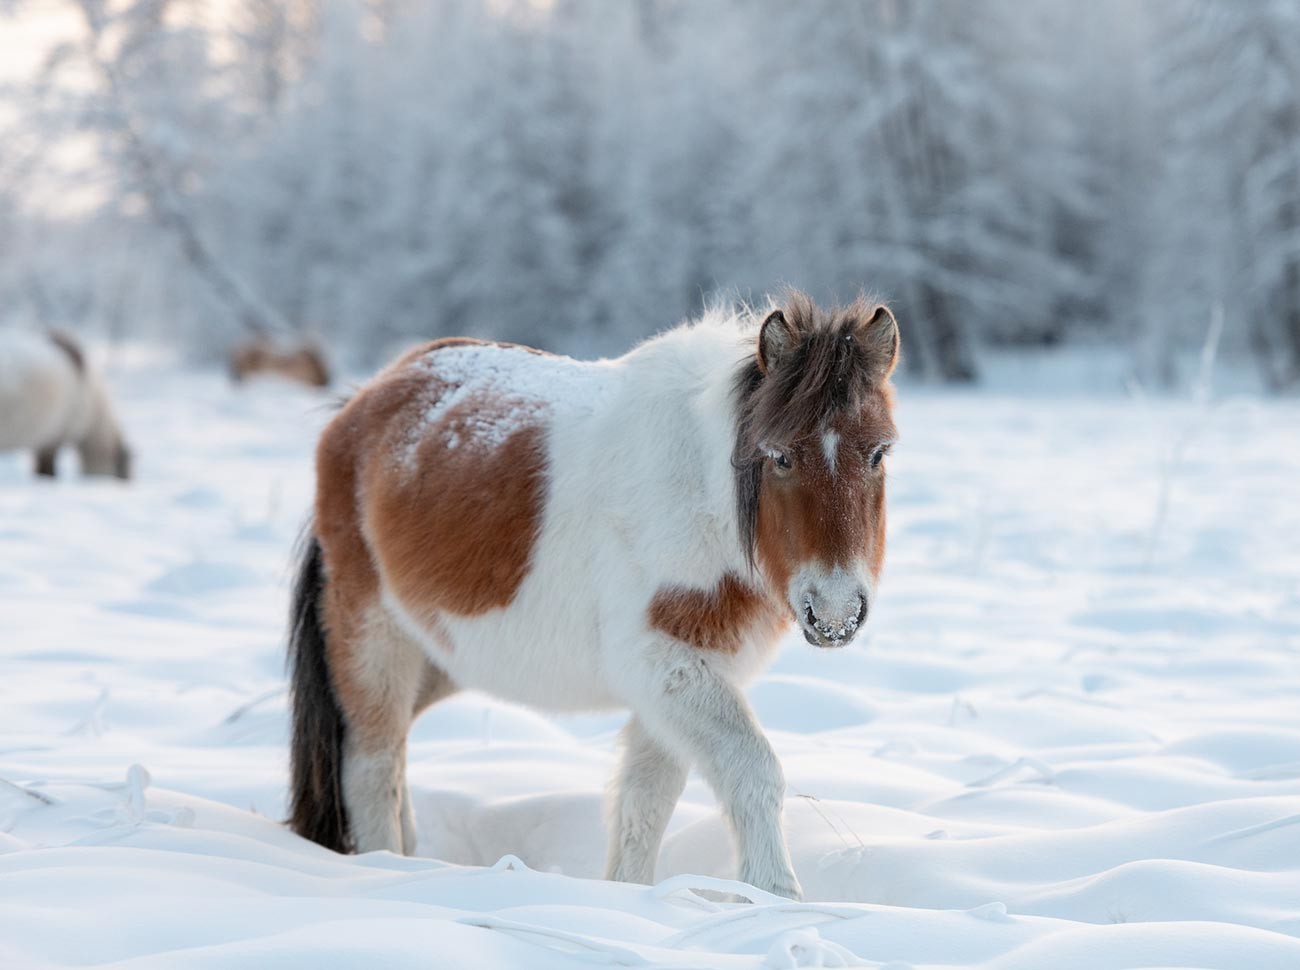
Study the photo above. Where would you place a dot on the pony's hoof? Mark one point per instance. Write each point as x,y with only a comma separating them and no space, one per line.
787,888
793,892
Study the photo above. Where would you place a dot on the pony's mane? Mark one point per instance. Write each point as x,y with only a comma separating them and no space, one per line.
827,370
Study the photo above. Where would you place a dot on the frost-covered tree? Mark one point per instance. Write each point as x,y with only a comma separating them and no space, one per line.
1228,79
579,173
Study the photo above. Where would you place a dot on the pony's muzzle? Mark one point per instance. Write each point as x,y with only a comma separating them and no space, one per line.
831,623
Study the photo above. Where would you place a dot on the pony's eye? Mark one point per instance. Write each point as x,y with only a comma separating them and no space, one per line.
877,457
780,461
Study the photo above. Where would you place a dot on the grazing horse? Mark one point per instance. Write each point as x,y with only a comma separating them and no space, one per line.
304,363
51,396
632,533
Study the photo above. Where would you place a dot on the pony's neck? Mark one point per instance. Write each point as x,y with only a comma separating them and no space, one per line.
699,363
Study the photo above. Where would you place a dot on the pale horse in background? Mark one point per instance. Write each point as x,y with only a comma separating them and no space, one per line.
50,396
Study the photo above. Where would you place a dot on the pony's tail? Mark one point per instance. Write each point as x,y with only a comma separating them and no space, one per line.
316,807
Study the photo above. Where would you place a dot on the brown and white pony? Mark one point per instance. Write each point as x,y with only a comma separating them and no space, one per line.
303,363
50,396
635,533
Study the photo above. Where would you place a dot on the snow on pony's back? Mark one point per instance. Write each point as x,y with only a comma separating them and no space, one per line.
480,394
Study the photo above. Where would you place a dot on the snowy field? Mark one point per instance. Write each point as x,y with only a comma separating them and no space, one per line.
1069,740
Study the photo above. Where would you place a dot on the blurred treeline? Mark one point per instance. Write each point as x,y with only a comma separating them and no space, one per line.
579,173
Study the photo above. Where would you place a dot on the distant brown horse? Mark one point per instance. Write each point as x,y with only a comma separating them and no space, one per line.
50,396
304,363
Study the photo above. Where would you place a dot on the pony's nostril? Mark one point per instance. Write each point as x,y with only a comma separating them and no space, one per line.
833,631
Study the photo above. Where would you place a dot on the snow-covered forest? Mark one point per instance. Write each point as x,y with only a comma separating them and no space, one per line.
579,173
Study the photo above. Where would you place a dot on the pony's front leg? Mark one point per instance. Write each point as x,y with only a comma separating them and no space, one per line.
694,711
642,799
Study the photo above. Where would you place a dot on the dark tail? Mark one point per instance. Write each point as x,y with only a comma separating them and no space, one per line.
316,808
69,345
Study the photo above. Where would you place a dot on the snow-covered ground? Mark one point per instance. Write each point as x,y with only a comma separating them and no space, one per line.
1069,741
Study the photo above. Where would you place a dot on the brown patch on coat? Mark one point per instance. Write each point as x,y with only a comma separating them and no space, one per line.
303,363
358,487
721,618
69,345
815,371
458,535
452,534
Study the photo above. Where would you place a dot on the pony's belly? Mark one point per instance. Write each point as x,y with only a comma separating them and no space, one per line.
518,655
523,662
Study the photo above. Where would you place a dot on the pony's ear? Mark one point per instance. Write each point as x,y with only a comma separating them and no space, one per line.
775,339
879,336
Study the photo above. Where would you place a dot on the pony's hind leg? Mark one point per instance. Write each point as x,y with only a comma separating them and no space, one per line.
47,461
642,799
384,681
435,686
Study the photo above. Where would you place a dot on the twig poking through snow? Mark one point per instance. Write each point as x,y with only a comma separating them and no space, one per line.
1201,394
247,706
9,786
1204,385
815,802
1252,830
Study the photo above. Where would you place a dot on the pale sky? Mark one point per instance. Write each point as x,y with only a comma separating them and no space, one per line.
27,36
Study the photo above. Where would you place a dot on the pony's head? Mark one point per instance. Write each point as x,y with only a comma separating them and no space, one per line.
814,424
103,450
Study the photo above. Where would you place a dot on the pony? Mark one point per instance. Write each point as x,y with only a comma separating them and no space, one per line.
633,533
50,396
303,363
